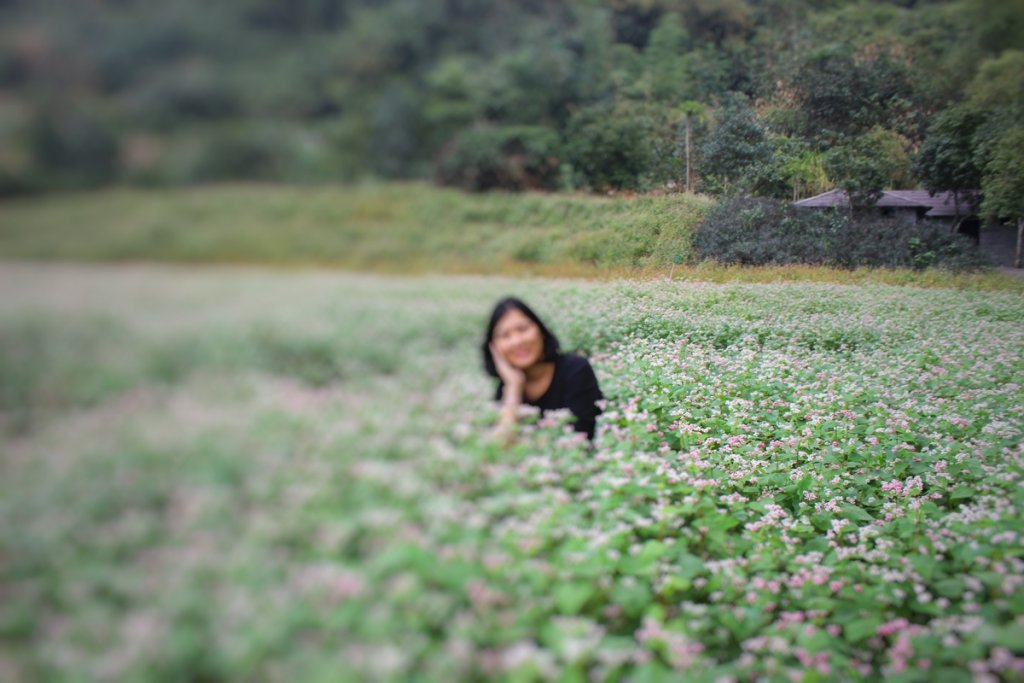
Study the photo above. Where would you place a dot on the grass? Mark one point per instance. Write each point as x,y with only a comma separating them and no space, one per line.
403,228
407,227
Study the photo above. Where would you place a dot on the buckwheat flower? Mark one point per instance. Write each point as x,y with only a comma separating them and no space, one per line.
895,485
888,628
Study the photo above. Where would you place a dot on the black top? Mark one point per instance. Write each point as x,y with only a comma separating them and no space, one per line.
573,386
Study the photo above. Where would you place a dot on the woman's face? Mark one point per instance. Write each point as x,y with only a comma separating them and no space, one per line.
519,339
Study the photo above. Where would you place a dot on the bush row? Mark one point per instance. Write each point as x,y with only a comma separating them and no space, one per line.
757,231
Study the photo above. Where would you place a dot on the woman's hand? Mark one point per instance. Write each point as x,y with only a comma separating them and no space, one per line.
511,377
512,397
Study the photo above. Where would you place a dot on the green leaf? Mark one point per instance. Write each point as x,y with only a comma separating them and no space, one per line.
573,674
688,566
571,597
720,522
633,599
961,492
949,588
860,629
855,514
924,565
675,586
652,672
643,563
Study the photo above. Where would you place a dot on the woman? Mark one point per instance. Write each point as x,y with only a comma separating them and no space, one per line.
520,351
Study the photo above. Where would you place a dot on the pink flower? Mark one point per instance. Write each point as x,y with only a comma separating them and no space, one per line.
895,485
888,628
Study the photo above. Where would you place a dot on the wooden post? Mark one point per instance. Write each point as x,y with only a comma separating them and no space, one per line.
688,187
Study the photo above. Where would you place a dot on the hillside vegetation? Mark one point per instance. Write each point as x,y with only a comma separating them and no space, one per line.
780,99
393,226
406,228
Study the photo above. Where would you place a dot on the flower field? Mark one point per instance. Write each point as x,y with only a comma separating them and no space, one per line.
254,475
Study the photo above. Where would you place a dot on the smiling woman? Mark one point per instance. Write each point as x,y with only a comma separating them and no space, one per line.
525,356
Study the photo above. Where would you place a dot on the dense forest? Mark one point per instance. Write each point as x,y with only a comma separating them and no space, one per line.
777,98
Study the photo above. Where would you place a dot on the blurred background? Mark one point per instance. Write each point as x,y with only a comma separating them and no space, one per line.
777,98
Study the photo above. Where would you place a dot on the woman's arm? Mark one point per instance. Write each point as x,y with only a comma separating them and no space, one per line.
514,382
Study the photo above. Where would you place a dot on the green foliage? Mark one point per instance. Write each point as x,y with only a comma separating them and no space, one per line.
843,93
390,88
1000,24
796,171
609,149
455,98
1003,182
946,160
752,231
735,150
997,93
171,100
998,85
394,131
866,165
43,370
74,150
665,62
502,157
531,86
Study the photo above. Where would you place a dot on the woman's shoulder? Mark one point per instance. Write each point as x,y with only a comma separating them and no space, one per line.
571,363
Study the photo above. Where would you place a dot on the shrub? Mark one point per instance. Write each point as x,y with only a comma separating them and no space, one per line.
608,150
198,95
502,157
753,231
757,231
77,149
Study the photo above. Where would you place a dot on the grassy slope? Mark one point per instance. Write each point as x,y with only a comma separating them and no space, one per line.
406,226
400,227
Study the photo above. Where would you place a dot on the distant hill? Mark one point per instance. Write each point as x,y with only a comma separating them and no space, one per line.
745,95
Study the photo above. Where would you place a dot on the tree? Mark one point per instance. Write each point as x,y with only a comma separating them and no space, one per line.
946,161
665,61
863,166
1003,183
609,148
454,100
735,147
999,24
998,90
75,150
999,84
844,93
593,74
797,171
718,21
394,132
501,157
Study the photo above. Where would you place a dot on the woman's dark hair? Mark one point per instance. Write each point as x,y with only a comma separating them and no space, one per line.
551,347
